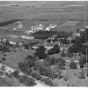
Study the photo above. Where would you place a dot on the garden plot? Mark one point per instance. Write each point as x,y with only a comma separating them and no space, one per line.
70,23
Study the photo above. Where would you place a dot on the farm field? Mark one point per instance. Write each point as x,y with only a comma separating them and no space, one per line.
56,13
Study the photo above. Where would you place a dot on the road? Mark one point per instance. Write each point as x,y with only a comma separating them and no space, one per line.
8,68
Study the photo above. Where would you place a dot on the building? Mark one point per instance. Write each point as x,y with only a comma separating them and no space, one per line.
20,26
35,46
65,47
27,37
82,30
13,43
29,31
37,28
49,46
77,34
50,27
69,39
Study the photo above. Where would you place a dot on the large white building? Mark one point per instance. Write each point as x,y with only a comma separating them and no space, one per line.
37,27
50,27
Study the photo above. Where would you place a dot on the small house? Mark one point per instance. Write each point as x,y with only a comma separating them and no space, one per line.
49,46
13,43
35,46
82,30
38,28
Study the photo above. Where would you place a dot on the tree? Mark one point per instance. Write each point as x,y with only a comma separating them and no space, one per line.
64,41
3,59
69,54
63,54
22,78
7,43
40,54
52,61
29,61
61,63
87,72
41,48
3,68
77,30
49,82
82,61
26,80
55,49
73,65
81,75
1,73
26,46
16,74
66,78
29,82
44,68
36,76
23,68
46,72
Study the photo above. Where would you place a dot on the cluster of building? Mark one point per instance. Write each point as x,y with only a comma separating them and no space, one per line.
34,28
41,27
64,47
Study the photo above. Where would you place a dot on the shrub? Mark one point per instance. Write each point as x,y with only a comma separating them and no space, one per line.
73,65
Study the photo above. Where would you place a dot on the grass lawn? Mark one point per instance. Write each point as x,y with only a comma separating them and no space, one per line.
15,57
72,80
